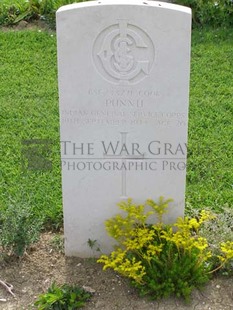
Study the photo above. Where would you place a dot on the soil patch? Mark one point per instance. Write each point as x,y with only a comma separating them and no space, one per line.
32,25
33,274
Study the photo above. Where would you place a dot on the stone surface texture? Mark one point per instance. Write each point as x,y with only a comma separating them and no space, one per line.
124,87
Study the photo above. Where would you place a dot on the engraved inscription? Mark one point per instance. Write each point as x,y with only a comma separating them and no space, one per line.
123,53
118,117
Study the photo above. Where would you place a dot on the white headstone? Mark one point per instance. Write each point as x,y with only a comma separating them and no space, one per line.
123,86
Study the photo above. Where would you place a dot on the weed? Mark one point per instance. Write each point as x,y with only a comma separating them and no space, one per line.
93,244
62,297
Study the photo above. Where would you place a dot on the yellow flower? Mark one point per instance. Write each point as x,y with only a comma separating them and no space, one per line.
227,249
206,216
193,223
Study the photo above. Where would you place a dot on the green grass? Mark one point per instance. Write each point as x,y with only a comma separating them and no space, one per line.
29,110
210,173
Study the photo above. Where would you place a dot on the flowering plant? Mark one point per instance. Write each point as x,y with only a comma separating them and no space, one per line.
160,259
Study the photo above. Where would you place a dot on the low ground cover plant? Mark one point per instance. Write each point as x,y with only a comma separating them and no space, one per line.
218,230
19,229
64,297
161,259
14,11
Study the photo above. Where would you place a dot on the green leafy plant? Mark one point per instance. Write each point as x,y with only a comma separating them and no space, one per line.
161,260
93,244
19,228
65,297
210,12
12,13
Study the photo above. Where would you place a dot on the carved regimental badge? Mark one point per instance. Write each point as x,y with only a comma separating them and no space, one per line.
123,53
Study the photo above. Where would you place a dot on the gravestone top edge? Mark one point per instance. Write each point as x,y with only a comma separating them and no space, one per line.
148,3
